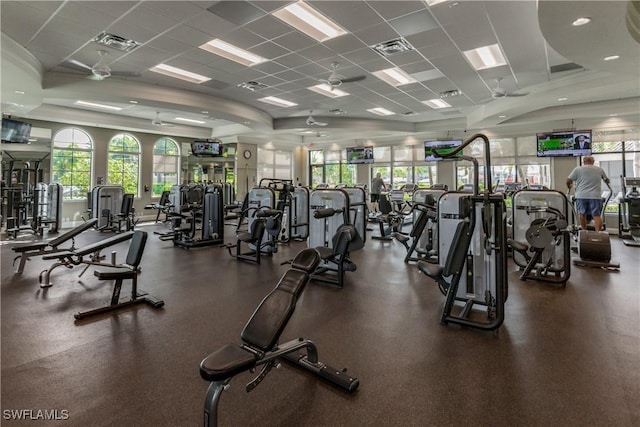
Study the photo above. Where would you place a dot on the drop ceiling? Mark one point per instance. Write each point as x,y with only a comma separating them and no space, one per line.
546,57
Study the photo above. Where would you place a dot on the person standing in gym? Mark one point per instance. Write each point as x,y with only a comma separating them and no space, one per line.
588,191
377,184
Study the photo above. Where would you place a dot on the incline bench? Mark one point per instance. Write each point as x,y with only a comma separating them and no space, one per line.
260,337
52,246
76,257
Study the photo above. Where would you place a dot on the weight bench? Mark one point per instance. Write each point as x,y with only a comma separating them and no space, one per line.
120,273
260,341
52,246
70,259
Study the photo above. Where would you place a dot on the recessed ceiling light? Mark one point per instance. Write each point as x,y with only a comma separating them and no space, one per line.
133,101
562,99
613,115
434,2
611,58
394,76
204,112
326,90
179,73
437,103
183,119
95,105
277,101
581,21
233,53
502,116
19,92
485,57
311,22
381,111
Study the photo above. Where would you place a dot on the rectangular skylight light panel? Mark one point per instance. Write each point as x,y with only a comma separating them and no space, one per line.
381,111
326,90
437,103
233,53
304,18
277,101
184,119
394,76
485,57
95,105
434,2
179,73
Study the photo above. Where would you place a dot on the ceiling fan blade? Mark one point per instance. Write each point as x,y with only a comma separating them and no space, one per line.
125,73
72,63
353,79
514,94
95,77
320,123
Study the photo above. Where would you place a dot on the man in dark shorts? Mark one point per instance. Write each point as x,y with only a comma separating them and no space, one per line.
377,184
588,191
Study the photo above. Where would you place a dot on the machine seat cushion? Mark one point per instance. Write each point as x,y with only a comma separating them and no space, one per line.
31,247
325,252
432,270
110,273
306,260
403,238
226,362
244,236
518,246
59,255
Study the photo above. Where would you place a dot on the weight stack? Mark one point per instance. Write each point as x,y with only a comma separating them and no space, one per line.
594,246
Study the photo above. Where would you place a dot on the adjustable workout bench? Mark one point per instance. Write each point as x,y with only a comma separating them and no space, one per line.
76,257
260,336
52,246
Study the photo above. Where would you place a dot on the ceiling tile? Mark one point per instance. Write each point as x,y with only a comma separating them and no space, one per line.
243,39
188,35
377,34
417,67
294,41
345,43
289,75
177,10
269,67
269,50
75,13
427,75
111,8
168,44
269,5
311,69
427,38
268,27
210,24
394,9
414,23
317,53
292,60
146,57
128,29
238,12
148,19
350,15
377,65
20,21
406,58
362,56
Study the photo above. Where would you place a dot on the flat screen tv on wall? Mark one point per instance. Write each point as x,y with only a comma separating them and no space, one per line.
14,131
563,144
442,147
359,155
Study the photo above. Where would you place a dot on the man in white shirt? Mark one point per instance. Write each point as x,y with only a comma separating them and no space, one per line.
588,191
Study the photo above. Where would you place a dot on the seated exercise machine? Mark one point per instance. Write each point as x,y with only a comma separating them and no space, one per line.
266,221
163,206
540,218
127,271
71,258
260,339
428,213
629,212
472,250
389,221
52,246
206,220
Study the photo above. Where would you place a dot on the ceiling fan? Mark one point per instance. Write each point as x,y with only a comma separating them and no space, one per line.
499,92
334,80
100,70
158,122
312,122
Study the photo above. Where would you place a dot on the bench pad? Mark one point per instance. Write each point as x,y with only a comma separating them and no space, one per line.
226,362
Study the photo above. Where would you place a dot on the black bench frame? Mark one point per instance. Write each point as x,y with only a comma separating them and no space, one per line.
260,337
50,247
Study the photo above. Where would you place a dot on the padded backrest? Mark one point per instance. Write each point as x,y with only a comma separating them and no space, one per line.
341,239
257,230
420,224
73,232
136,248
164,198
272,315
458,249
385,205
127,204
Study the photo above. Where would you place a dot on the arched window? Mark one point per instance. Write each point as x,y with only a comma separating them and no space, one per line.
123,164
166,164
71,161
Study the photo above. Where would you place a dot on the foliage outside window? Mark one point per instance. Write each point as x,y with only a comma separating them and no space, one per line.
610,157
71,162
166,163
123,162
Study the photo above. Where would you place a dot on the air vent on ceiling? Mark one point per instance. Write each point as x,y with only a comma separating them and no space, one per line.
392,47
337,112
408,113
450,93
564,67
252,86
115,42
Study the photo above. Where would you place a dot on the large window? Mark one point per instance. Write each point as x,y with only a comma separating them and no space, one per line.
275,164
166,164
331,167
123,163
71,162
609,155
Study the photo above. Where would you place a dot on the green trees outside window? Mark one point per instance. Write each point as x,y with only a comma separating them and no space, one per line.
71,162
123,162
166,161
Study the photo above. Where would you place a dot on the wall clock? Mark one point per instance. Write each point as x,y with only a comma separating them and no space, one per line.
247,154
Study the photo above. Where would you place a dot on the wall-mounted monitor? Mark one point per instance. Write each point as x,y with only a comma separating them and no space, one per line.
565,143
442,147
14,131
357,155
207,148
